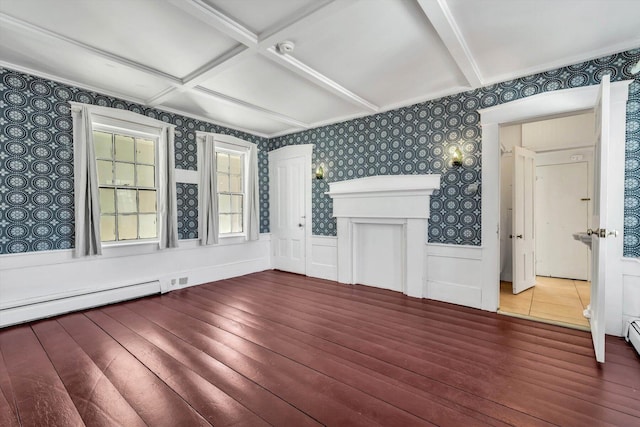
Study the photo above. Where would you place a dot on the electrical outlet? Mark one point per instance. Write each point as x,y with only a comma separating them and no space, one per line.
173,282
183,280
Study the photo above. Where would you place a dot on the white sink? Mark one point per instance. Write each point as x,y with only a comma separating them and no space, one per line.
583,237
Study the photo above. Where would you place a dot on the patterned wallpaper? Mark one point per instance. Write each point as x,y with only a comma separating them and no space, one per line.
36,162
418,139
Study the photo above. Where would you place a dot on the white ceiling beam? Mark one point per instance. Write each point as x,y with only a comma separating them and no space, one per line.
305,18
438,13
319,79
218,20
237,102
313,12
207,71
34,29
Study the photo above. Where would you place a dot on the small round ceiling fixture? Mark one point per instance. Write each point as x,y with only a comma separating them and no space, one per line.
285,47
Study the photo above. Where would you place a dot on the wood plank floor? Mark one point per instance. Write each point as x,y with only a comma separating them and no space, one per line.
274,348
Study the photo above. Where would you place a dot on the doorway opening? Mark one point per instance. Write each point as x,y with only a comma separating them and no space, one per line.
559,187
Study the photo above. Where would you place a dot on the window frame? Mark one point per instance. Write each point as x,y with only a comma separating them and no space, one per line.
134,130
244,160
129,122
230,144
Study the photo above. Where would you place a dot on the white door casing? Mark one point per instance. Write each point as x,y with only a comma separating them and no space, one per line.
600,228
290,207
549,104
523,223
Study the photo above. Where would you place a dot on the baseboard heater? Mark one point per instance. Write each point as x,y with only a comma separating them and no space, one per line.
27,311
633,334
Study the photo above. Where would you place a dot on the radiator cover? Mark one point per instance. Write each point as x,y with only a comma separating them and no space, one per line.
633,335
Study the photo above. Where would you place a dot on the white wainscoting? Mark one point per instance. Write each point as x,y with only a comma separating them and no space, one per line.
454,274
42,284
324,258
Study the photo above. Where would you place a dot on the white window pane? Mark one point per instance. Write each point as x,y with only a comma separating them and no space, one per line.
223,182
147,201
148,227
124,148
126,201
223,162
235,164
107,228
105,172
236,223
146,176
236,203
107,200
225,224
127,227
146,151
224,203
235,183
102,142
124,174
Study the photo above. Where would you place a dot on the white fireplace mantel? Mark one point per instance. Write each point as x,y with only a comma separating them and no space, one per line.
382,227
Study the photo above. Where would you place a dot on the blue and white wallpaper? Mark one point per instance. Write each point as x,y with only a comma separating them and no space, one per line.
36,154
418,139
36,162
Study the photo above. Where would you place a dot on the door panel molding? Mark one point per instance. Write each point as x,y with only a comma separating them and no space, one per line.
277,157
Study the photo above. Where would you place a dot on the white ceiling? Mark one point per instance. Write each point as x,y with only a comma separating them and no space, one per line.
216,59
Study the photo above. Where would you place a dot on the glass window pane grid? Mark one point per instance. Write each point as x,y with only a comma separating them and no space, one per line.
136,188
231,220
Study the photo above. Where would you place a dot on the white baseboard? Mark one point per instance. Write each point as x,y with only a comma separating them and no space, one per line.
470,296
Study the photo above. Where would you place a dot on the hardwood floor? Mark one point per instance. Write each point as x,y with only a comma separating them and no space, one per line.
274,348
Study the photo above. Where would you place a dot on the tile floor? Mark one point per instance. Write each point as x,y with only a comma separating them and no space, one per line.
559,301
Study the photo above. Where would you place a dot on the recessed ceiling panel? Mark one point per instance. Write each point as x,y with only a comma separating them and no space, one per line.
510,39
224,113
268,85
259,15
57,58
153,33
385,51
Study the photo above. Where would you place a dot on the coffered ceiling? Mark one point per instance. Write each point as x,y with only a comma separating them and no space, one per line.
218,59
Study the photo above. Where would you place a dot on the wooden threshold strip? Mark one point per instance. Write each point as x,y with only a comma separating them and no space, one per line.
275,348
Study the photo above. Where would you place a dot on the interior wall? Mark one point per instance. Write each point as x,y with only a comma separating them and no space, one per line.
36,162
417,140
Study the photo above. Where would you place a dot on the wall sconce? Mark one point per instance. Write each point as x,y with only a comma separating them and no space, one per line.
319,172
456,157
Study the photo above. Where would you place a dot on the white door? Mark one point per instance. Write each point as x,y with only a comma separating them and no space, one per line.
562,202
523,221
599,226
289,183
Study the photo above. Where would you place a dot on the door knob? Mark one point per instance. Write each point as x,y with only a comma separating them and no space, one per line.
300,225
519,236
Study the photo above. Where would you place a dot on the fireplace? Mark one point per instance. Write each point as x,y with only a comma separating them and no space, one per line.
382,230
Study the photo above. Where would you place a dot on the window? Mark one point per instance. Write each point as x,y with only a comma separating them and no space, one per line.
231,190
124,179
127,183
228,189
